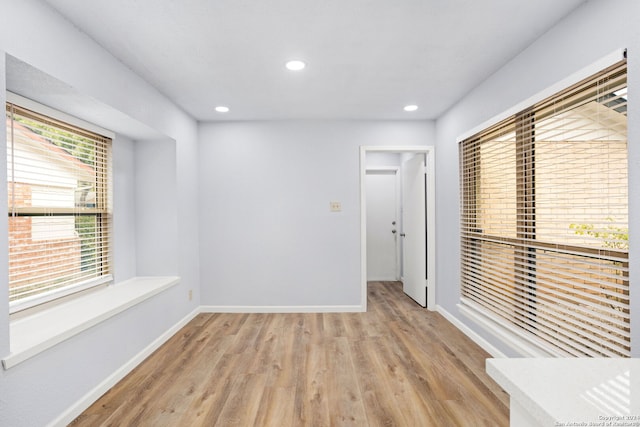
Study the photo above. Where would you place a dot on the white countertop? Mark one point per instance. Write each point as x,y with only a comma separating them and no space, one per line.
572,392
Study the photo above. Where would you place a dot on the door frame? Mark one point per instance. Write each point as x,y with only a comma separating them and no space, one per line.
429,152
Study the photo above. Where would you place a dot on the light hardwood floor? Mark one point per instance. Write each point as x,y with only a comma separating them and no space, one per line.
396,365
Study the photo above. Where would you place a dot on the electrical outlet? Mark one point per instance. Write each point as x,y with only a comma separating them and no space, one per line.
335,206
190,294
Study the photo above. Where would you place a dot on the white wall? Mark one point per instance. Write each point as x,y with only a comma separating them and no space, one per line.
383,159
592,32
124,199
267,236
38,390
156,207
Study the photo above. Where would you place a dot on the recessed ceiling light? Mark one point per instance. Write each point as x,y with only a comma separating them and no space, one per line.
295,65
222,109
410,108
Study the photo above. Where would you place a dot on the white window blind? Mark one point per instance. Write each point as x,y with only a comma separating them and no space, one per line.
59,185
544,224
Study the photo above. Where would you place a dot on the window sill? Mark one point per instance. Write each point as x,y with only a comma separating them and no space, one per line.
518,342
34,334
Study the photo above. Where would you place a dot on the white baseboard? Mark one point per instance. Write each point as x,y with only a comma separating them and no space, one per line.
87,400
486,345
281,309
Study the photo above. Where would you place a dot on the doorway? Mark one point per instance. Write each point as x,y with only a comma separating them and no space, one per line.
415,245
383,213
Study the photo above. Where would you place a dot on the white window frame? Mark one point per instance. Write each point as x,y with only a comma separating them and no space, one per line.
45,297
519,342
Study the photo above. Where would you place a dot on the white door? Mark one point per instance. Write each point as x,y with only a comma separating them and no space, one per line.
414,233
382,202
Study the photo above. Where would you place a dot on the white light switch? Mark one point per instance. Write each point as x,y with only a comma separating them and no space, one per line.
335,206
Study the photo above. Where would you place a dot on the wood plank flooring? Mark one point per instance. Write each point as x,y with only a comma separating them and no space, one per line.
396,365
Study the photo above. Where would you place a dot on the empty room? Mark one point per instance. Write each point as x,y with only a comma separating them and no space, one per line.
320,213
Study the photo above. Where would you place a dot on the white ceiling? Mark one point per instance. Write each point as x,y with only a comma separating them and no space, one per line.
366,58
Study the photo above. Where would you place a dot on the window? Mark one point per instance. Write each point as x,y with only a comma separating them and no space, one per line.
59,208
544,228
